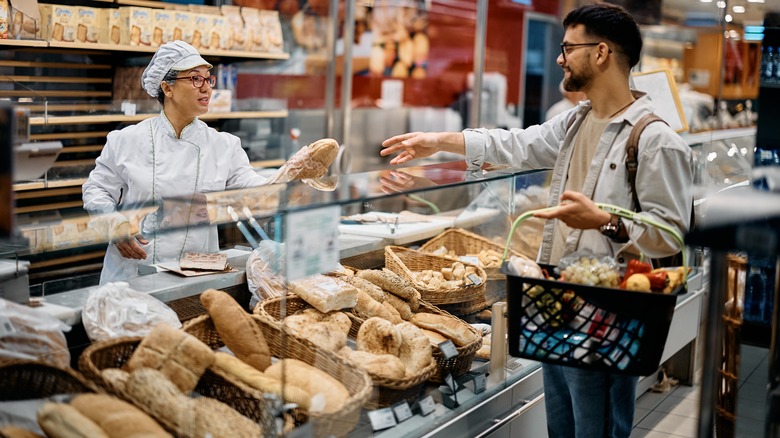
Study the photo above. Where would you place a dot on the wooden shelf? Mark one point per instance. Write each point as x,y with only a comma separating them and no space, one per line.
150,50
24,43
121,118
267,163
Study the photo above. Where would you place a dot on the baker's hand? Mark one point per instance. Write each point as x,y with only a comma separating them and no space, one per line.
412,145
577,211
396,181
129,246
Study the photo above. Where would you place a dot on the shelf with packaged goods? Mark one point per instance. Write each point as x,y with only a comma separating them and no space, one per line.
138,49
121,118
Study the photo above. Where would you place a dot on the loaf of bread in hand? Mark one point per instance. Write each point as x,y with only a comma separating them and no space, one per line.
181,357
237,328
59,420
379,336
310,161
118,418
328,395
459,332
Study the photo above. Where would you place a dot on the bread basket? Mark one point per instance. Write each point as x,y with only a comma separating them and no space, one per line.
405,261
114,353
388,391
354,380
463,242
26,379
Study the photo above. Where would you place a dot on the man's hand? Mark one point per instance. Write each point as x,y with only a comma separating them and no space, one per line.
422,144
577,211
129,246
396,181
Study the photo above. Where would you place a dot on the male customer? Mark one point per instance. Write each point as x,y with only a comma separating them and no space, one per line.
569,100
586,150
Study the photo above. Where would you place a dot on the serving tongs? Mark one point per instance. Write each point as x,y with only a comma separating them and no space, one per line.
244,229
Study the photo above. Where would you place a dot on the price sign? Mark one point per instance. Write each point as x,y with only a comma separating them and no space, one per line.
448,349
470,259
427,405
402,411
450,383
312,243
382,418
475,279
479,383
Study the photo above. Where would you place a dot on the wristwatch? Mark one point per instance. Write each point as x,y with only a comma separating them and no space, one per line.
612,228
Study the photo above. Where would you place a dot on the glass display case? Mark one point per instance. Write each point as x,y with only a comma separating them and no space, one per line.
330,224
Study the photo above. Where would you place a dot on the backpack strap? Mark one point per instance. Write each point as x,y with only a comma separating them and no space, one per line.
632,152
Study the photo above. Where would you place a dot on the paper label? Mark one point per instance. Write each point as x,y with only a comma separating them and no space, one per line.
470,259
312,242
479,383
475,279
402,411
6,327
448,349
427,405
382,418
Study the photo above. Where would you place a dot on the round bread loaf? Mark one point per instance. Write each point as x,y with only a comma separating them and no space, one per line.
379,336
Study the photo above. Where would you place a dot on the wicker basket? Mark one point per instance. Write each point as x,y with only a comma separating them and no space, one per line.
26,380
354,380
388,391
114,353
403,261
463,243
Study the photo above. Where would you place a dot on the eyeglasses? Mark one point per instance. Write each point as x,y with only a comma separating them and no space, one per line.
198,80
567,47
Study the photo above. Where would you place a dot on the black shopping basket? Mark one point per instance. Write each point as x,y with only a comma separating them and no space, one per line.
595,328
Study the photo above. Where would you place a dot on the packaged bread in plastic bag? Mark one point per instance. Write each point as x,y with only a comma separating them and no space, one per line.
264,271
115,310
31,334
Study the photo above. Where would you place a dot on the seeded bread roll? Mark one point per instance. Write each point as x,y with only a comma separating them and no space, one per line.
59,420
389,281
448,326
256,379
181,357
118,418
237,328
379,336
381,365
368,307
328,394
401,306
368,287
415,351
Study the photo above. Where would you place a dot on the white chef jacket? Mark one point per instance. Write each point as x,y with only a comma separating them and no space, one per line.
143,164
664,179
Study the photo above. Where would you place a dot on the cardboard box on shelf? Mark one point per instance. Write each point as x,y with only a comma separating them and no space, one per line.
137,25
90,22
163,26
25,19
112,29
238,32
221,101
182,26
272,31
201,30
251,18
4,14
59,22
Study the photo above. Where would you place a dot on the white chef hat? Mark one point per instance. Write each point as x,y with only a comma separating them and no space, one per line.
176,56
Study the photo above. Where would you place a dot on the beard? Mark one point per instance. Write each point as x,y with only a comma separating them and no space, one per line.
577,81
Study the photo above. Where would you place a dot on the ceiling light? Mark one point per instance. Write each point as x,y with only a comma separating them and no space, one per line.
706,1
738,9
721,4
728,18
755,1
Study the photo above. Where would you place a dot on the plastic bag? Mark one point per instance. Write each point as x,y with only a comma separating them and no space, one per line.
31,334
590,270
114,310
264,269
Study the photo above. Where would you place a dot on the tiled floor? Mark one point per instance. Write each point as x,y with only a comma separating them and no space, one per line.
676,413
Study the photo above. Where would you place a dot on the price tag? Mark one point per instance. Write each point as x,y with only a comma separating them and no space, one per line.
448,349
470,259
475,279
313,244
382,418
479,383
450,383
402,411
6,327
427,405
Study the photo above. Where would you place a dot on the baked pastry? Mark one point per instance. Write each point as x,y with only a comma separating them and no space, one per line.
326,335
389,281
435,338
415,351
321,386
452,328
400,305
238,329
385,366
118,418
59,420
367,307
181,357
311,161
366,286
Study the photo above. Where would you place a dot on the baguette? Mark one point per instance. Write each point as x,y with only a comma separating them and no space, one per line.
238,329
401,306
379,336
115,379
118,418
367,307
59,420
17,432
396,317
389,281
256,379
368,287
328,394
448,326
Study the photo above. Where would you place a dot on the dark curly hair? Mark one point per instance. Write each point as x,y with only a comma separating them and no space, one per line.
170,78
612,23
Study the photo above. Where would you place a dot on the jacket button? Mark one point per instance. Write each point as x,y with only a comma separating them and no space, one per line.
621,260
613,166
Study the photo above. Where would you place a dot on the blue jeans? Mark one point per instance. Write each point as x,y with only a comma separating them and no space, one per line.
588,404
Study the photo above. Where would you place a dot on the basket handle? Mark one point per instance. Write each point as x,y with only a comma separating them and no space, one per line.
612,209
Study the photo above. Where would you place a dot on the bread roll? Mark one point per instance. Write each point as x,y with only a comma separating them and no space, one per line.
324,293
118,418
238,329
115,378
17,432
448,326
326,335
340,319
367,307
59,420
379,336
396,317
385,366
181,357
368,287
435,338
415,351
401,306
389,281
328,394
256,379
298,322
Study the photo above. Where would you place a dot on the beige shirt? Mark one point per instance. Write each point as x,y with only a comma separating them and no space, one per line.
585,142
